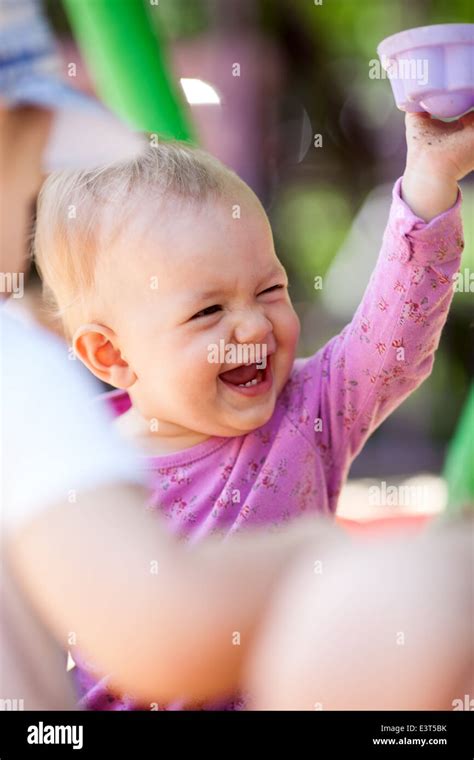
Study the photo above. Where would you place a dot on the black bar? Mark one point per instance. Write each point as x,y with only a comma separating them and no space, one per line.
146,734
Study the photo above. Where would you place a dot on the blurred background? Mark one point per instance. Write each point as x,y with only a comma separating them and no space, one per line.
280,91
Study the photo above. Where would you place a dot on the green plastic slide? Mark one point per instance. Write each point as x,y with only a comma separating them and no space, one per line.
128,65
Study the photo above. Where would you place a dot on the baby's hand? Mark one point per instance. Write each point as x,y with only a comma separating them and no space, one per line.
438,155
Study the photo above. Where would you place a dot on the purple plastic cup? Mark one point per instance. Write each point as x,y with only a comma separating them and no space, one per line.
431,68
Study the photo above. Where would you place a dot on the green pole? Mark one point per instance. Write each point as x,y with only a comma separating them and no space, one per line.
128,64
459,466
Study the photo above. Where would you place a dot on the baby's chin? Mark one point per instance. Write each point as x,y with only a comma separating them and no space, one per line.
242,423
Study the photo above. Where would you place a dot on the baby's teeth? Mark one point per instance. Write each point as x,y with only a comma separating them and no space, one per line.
250,382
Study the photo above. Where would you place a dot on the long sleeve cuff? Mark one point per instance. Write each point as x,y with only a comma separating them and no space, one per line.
428,243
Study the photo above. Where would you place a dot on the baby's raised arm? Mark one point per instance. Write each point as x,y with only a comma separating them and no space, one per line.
387,350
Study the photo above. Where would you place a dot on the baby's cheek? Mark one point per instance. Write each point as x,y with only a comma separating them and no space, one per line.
291,329
204,360
195,372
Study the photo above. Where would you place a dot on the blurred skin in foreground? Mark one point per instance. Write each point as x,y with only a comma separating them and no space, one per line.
160,635
24,133
382,624
385,625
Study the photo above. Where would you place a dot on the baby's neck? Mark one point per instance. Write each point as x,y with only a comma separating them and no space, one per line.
166,440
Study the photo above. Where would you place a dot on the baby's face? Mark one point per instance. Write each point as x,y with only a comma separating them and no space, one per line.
197,284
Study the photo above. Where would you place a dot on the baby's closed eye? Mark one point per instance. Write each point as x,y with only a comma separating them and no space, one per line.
207,311
271,289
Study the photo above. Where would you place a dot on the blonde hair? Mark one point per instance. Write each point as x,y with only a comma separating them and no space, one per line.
72,228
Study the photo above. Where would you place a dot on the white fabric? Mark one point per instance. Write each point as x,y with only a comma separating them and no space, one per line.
54,442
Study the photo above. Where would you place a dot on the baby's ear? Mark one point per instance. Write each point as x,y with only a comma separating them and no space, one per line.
96,347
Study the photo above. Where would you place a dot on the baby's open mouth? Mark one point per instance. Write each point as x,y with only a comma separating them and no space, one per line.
249,379
244,376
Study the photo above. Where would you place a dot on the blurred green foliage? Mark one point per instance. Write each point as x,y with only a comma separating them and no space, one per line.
181,19
310,222
355,27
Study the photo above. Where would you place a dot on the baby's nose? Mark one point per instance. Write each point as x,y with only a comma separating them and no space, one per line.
252,326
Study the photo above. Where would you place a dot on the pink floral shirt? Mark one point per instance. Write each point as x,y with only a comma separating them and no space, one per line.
332,403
